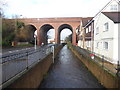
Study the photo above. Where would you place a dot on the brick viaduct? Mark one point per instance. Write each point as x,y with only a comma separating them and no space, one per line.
42,25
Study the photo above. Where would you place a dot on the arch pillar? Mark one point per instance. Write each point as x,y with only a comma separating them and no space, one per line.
74,36
56,35
38,36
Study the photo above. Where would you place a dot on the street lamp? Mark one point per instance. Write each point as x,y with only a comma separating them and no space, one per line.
35,36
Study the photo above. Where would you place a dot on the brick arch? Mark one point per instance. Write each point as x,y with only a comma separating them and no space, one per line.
34,27
64,26
31,24
31,29
43,32
74,22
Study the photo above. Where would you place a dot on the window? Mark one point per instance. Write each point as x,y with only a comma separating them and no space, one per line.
89,28
88,43
114,7
106,26
97,30
86,30
105,45
97,44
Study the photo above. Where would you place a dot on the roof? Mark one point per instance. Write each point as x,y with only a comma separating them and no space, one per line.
118,1
114,16
86,20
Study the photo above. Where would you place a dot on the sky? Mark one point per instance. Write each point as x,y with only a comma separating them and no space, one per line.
63,34
53,8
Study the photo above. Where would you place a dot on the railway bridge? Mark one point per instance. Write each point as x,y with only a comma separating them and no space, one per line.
43,25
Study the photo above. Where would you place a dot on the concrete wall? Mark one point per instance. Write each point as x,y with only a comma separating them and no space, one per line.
107,79
33,77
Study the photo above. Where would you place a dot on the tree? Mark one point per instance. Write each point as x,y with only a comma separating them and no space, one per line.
69,38
25,34
16,31
3,5
8,33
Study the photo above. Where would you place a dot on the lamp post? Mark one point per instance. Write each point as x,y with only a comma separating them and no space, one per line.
35,36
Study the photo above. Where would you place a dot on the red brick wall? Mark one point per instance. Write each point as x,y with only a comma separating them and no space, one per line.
56,23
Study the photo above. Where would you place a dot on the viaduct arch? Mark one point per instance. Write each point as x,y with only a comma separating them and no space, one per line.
63,26
43,25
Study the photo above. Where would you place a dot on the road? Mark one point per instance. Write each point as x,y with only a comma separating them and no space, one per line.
14,49
17,49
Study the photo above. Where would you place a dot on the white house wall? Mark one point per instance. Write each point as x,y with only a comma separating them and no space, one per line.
115,46
119,42
107,36
119,7
108,8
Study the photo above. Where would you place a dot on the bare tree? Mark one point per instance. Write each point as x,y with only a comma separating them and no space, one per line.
3,5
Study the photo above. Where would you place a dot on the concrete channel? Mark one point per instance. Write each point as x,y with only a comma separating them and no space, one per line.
69,72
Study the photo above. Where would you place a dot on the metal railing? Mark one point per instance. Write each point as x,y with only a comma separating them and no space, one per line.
17,62
110,67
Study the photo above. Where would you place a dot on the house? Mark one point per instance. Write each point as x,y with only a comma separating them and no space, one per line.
89,35
107,31
101,34
84,37
106,35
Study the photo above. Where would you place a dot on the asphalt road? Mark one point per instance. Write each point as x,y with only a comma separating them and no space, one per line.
16,49
13,49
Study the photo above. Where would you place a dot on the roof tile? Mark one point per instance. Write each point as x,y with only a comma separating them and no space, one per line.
114,16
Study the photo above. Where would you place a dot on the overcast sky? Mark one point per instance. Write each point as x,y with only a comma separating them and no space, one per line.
63,34
54,8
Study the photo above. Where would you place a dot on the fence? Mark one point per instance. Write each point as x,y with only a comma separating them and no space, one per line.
17,62
112,68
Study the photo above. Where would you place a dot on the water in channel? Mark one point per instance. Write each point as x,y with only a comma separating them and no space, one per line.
69,72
